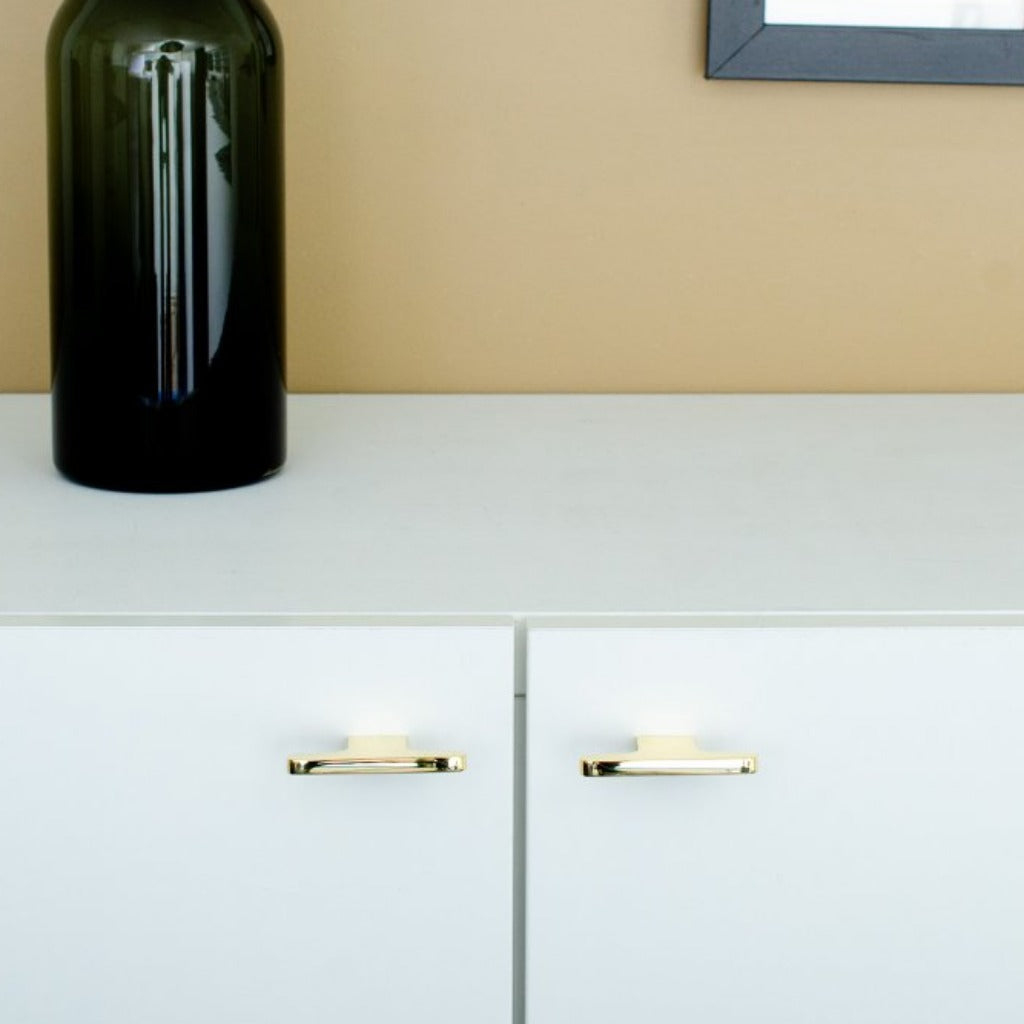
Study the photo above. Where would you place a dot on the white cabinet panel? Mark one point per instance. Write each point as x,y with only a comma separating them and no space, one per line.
870,871
158,864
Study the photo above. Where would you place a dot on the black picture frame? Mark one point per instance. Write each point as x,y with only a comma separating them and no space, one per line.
741,45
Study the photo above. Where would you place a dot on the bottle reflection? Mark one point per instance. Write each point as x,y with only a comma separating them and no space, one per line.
182,210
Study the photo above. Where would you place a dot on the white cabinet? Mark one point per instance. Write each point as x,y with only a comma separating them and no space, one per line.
159,864
832,583
870,870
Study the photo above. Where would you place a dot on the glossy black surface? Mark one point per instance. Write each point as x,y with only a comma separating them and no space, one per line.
166,210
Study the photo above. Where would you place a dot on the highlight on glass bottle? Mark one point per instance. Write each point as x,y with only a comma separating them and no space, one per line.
166,243
179,125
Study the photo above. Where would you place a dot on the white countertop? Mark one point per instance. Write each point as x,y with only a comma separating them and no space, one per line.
550,506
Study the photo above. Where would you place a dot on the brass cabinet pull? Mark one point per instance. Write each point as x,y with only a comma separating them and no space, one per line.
668,755
376,755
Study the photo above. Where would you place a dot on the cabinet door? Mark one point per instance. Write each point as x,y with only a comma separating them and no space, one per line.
159,864
870,871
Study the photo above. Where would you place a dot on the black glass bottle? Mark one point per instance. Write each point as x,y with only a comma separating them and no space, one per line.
166,231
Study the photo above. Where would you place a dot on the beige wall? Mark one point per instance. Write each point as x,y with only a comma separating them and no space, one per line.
546,195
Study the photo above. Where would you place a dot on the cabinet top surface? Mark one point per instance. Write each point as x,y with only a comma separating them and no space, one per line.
550,505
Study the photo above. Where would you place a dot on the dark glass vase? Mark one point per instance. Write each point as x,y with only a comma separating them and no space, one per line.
166,232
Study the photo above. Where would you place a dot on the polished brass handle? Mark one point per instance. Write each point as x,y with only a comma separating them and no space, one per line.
375,755
668,755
